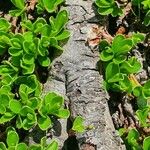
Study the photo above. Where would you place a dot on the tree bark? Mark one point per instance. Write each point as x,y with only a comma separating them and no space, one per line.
77,76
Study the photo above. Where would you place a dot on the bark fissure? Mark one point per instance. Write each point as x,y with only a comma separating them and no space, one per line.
76,76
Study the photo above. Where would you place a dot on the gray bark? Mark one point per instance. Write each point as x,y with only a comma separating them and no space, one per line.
75,75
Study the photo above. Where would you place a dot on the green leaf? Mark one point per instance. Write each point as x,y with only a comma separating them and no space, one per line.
21,146
46,30
27,24
63,35
41,50
15,51
16,43
30,81
146,89
40,7
12,138
78,124
137,38
2,109
111,70
15,106
44,123
107,55
24,91
62,113
146,143
142,116
51,5
38,24
16,12
119,59
19,122
146,4
116,78
131,66
147,19
103,45
125,84
33,102
29,47
28,36
43,142
137,91
105,10
54,43
45,41
28,118
53,103
7,117
106,7
2,146
122,131
4,25
141,102
117,11
25,110
132,137
59,22
27,69
4,99
44,61
38,90
35,147
19,3
52,146
121,45
28,59
7,80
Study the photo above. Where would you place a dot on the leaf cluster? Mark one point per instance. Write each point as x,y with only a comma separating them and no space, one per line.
12,143
32,47
21,53
106,7
120,68
118,64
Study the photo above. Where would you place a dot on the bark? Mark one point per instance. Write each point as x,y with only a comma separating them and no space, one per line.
77,75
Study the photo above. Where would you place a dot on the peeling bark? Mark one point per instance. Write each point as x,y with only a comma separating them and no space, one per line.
76,75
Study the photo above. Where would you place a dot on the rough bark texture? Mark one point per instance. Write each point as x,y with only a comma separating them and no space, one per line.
75,75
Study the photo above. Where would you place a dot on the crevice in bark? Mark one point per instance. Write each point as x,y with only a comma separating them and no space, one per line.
79,79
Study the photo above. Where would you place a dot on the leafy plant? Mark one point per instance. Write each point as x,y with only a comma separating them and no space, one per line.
118,65
119,76
20,9
51,105
48,5
106,7
78,124
24,48
143,116
115,8
133,138
29,104
13,143
142,94
147,18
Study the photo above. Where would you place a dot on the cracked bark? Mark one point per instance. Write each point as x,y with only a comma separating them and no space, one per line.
75,75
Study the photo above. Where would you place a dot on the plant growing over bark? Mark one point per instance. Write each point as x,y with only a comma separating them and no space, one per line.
120,68
22,53
115,8
12,143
